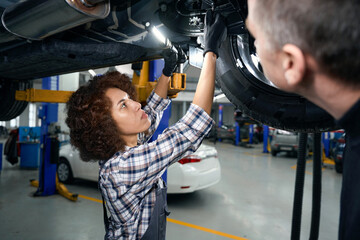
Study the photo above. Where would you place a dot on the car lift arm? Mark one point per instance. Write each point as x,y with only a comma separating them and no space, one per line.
42,95
143,87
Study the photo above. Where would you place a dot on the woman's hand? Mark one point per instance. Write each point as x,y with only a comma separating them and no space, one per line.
215,31
171,56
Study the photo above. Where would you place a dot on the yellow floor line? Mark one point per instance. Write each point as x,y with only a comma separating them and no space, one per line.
307,172
90,198
181,223
329,161
205,229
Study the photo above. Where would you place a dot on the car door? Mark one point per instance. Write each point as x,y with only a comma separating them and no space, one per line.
85,170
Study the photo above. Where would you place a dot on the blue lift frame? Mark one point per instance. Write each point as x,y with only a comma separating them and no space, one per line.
220,118
237,134
48,114
265,138
326,143
156,67
251,133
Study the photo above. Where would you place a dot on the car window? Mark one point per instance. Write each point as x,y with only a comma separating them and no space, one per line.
283,132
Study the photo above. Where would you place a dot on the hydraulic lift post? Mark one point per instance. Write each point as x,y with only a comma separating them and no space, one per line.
155,72
220,119
237,133
266,139
48,113
251,133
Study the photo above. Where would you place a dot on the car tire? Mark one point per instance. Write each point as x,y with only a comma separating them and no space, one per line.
338,167
246,87
64,171
9,107
273,153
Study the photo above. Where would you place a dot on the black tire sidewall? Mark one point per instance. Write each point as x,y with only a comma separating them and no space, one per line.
265,103
9,106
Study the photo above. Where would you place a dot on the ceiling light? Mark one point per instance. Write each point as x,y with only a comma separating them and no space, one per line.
222,95
92,72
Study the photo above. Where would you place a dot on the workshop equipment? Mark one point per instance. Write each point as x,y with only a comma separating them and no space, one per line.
49,150
144,87
266,142
29,140
29,155
145,80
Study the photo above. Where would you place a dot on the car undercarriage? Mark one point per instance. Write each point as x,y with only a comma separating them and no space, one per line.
40,38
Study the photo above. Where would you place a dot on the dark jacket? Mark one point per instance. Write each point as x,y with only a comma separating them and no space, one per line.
350,194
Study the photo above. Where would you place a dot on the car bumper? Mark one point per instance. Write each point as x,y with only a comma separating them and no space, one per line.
285,148
191,177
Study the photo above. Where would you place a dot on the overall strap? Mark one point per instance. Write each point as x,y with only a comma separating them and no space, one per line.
106,219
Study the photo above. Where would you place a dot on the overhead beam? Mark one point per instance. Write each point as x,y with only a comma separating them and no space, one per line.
41,95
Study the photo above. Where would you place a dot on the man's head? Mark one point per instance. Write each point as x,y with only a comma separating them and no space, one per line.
93,129
308,34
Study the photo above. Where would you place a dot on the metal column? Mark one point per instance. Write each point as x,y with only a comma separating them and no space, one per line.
155,72
48,113
251,133
237,134
326,142
220,118
265,139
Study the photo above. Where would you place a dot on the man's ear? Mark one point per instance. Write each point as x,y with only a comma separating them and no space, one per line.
293,64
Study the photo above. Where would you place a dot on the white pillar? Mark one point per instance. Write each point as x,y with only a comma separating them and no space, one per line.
67,82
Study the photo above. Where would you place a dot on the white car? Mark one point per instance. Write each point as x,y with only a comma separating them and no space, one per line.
197,171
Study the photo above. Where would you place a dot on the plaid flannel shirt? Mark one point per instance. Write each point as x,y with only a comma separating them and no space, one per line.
127,179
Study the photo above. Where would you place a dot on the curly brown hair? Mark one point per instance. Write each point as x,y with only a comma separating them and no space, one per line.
93,131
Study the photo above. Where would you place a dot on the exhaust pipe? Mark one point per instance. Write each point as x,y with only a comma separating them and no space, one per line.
36,20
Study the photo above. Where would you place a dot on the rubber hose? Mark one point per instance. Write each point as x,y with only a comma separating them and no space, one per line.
316,194
299,188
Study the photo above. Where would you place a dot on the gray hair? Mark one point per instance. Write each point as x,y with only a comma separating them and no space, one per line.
328,30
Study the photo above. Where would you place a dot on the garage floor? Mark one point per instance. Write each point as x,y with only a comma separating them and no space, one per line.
252,201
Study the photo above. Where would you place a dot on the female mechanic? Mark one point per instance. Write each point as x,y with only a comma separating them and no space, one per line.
108,125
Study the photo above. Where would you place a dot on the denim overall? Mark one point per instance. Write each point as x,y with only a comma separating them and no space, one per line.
157,226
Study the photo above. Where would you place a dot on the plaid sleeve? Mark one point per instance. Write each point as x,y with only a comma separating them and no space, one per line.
141,165
154,108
